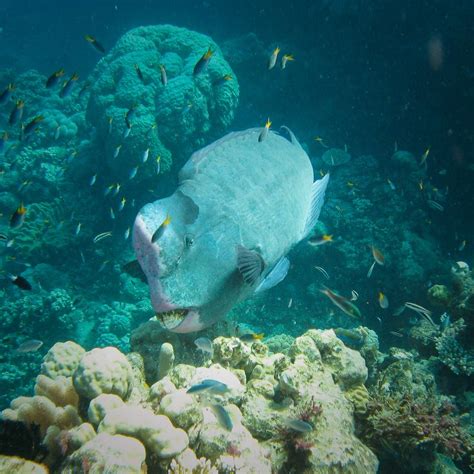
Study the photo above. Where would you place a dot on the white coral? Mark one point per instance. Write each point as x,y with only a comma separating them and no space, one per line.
156,432
104,370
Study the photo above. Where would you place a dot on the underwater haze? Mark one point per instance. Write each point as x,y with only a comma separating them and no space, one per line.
237,237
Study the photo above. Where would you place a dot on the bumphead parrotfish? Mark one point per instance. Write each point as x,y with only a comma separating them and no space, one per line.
239,208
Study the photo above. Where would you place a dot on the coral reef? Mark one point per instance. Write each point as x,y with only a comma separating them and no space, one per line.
193,104
95,410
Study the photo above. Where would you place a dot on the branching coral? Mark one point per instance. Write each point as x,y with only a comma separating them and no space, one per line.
452,353
399,424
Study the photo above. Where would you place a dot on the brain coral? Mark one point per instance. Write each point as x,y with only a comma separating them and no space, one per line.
186,110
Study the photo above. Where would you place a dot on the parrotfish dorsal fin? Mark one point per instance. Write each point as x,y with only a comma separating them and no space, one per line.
276,275
250,264
293,138
317,200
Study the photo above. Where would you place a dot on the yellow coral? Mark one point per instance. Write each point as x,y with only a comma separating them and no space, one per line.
359,397
59,390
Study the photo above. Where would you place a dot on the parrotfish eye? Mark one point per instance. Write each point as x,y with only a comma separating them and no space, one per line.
188,241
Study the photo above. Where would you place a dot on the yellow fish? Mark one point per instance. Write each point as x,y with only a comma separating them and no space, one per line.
161,229
264,132
285,59
425,156
383,300
273,58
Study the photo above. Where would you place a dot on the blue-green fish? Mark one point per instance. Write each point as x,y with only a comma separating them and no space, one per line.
239,208
209,385
222,416
296,424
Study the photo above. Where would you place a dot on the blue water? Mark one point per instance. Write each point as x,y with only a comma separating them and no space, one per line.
373,78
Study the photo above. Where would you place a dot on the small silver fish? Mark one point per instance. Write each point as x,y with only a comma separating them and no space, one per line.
92,180
127,131
108,189
101,236
116,190
78,228
111,121
399,310
323,272
133,172
126,234
145,155
117,151
204,344
112,213
102,267
57,132
435,205
158,164
164,76
371,269
354,295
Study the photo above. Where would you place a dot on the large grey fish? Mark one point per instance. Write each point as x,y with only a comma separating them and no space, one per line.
239,208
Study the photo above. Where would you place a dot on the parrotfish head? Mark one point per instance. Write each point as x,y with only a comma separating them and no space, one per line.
182,266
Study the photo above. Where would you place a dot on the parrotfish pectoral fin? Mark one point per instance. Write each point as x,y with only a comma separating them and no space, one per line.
276,275
134,269
250,264
293,138
317,201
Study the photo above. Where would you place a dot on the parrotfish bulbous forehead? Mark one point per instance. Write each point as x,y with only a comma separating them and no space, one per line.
240,206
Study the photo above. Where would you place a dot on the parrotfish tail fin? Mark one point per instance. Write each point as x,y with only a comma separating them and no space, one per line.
293,138
250,264
317,201
276,275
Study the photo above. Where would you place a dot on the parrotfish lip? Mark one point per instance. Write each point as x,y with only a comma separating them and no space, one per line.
148,255
181,320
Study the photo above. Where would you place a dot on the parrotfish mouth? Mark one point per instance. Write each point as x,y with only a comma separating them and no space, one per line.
180,320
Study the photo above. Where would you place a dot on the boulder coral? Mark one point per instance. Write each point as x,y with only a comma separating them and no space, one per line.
104,370
171,117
